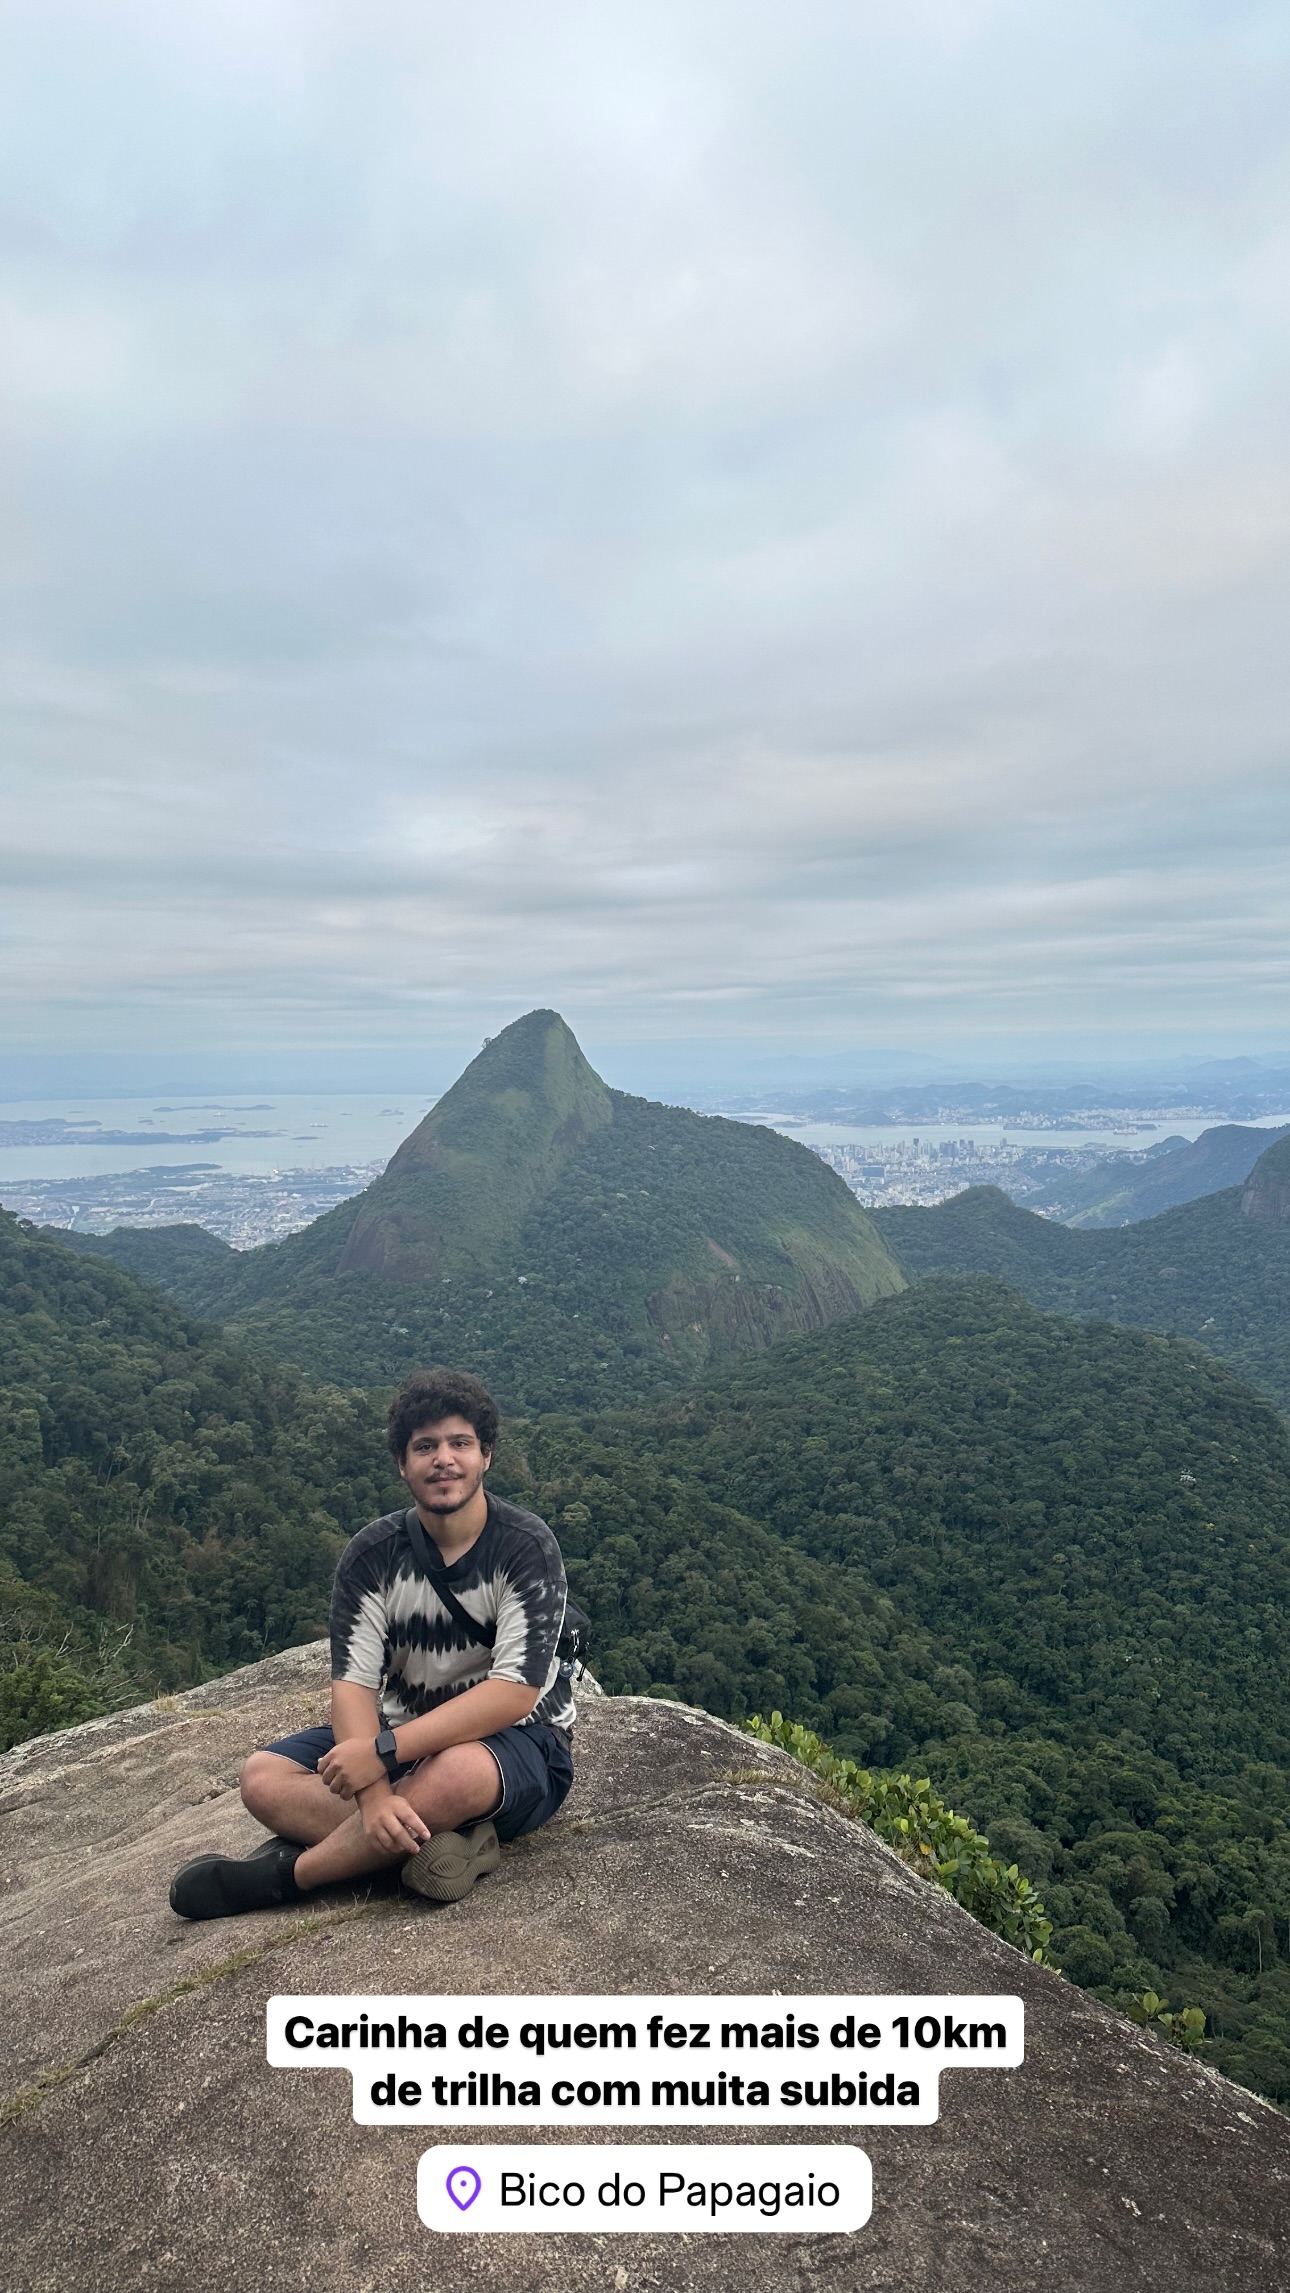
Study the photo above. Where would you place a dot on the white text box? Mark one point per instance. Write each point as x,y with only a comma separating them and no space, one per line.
557,2187
655,2061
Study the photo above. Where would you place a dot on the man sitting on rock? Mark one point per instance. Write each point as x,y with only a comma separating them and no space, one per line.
451,1718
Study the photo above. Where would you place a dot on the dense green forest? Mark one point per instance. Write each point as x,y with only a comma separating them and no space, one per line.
170,1505
1205,1270
1042,1562
1053,1570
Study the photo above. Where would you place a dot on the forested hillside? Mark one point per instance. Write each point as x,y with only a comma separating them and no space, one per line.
646,1243
170,1505
1207,1270
1125,1188
1045,1563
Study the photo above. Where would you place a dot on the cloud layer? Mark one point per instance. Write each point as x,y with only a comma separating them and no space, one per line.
735,520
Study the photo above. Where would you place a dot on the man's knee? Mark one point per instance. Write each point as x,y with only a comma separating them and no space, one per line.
262,1779
446,1766
468,1768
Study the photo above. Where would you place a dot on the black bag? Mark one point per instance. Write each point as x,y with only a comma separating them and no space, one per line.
575,1637
575,1632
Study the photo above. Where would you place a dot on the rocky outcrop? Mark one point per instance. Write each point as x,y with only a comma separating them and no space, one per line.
1266,1194
146,2143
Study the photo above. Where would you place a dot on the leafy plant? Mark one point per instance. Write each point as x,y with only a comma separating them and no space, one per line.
44,1693
926,1834
1185,2029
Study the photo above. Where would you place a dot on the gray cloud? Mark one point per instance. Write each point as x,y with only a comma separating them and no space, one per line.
727,520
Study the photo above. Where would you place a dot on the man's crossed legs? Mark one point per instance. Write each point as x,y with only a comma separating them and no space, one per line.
320,1840
449,1789
441,1830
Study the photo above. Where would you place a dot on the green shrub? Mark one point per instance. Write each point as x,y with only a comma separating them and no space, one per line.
44,1693
1185,2029
925,1833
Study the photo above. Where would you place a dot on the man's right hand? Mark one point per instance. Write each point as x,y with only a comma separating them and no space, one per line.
390,1822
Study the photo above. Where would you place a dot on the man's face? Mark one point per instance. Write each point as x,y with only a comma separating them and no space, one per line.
444,1465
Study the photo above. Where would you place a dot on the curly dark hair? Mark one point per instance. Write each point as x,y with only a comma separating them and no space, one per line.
430,1394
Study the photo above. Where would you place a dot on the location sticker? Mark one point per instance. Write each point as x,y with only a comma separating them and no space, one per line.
789,2188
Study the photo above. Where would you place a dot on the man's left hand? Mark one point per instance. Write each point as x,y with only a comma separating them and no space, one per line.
350,1766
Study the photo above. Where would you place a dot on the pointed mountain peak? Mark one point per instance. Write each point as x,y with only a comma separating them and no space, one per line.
461,1184
537,1057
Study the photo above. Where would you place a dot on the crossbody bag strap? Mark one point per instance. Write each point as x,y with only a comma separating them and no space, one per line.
431,1565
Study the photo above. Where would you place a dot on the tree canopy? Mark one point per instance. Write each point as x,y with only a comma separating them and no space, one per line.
171,1504
1205,1270
1042,1562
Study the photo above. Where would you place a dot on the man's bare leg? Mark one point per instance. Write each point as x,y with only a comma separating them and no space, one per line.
322,1841
453,1787
290,1799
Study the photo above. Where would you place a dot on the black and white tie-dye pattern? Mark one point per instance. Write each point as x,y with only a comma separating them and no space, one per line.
390,1631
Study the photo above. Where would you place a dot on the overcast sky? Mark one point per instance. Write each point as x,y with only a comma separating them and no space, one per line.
760,521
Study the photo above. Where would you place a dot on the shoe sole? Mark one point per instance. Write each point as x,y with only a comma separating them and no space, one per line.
447,1867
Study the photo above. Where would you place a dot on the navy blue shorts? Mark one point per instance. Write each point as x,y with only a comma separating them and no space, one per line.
534,1762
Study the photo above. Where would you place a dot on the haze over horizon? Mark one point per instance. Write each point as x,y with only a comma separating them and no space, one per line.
764,530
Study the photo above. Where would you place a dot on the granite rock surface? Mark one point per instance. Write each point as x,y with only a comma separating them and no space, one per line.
146,2143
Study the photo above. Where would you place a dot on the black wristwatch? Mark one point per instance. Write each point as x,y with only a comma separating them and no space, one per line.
387,1751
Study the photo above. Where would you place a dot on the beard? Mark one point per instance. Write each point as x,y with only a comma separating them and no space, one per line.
450,1496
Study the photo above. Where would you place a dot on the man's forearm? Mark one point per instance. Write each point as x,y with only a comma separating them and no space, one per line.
354,1711
478,1711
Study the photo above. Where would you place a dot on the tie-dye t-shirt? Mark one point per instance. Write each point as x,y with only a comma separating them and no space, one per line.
391,1632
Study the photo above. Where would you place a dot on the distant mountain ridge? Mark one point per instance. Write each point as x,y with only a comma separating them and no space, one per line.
1216,1269
1124,1189
1239,1089
579,1247
1266,1196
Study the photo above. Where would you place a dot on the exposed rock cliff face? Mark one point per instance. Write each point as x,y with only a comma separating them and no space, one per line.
148,2144
1266,1194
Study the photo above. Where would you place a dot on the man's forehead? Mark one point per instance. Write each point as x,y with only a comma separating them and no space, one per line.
437,1428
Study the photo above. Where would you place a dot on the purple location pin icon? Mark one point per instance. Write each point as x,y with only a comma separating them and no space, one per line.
463,2186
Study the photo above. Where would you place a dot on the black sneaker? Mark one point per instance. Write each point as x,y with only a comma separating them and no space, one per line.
221,1886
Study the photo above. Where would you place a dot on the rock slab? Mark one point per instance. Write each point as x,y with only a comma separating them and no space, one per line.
146,2142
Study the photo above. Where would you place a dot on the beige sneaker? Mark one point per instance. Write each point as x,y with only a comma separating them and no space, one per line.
447,1867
